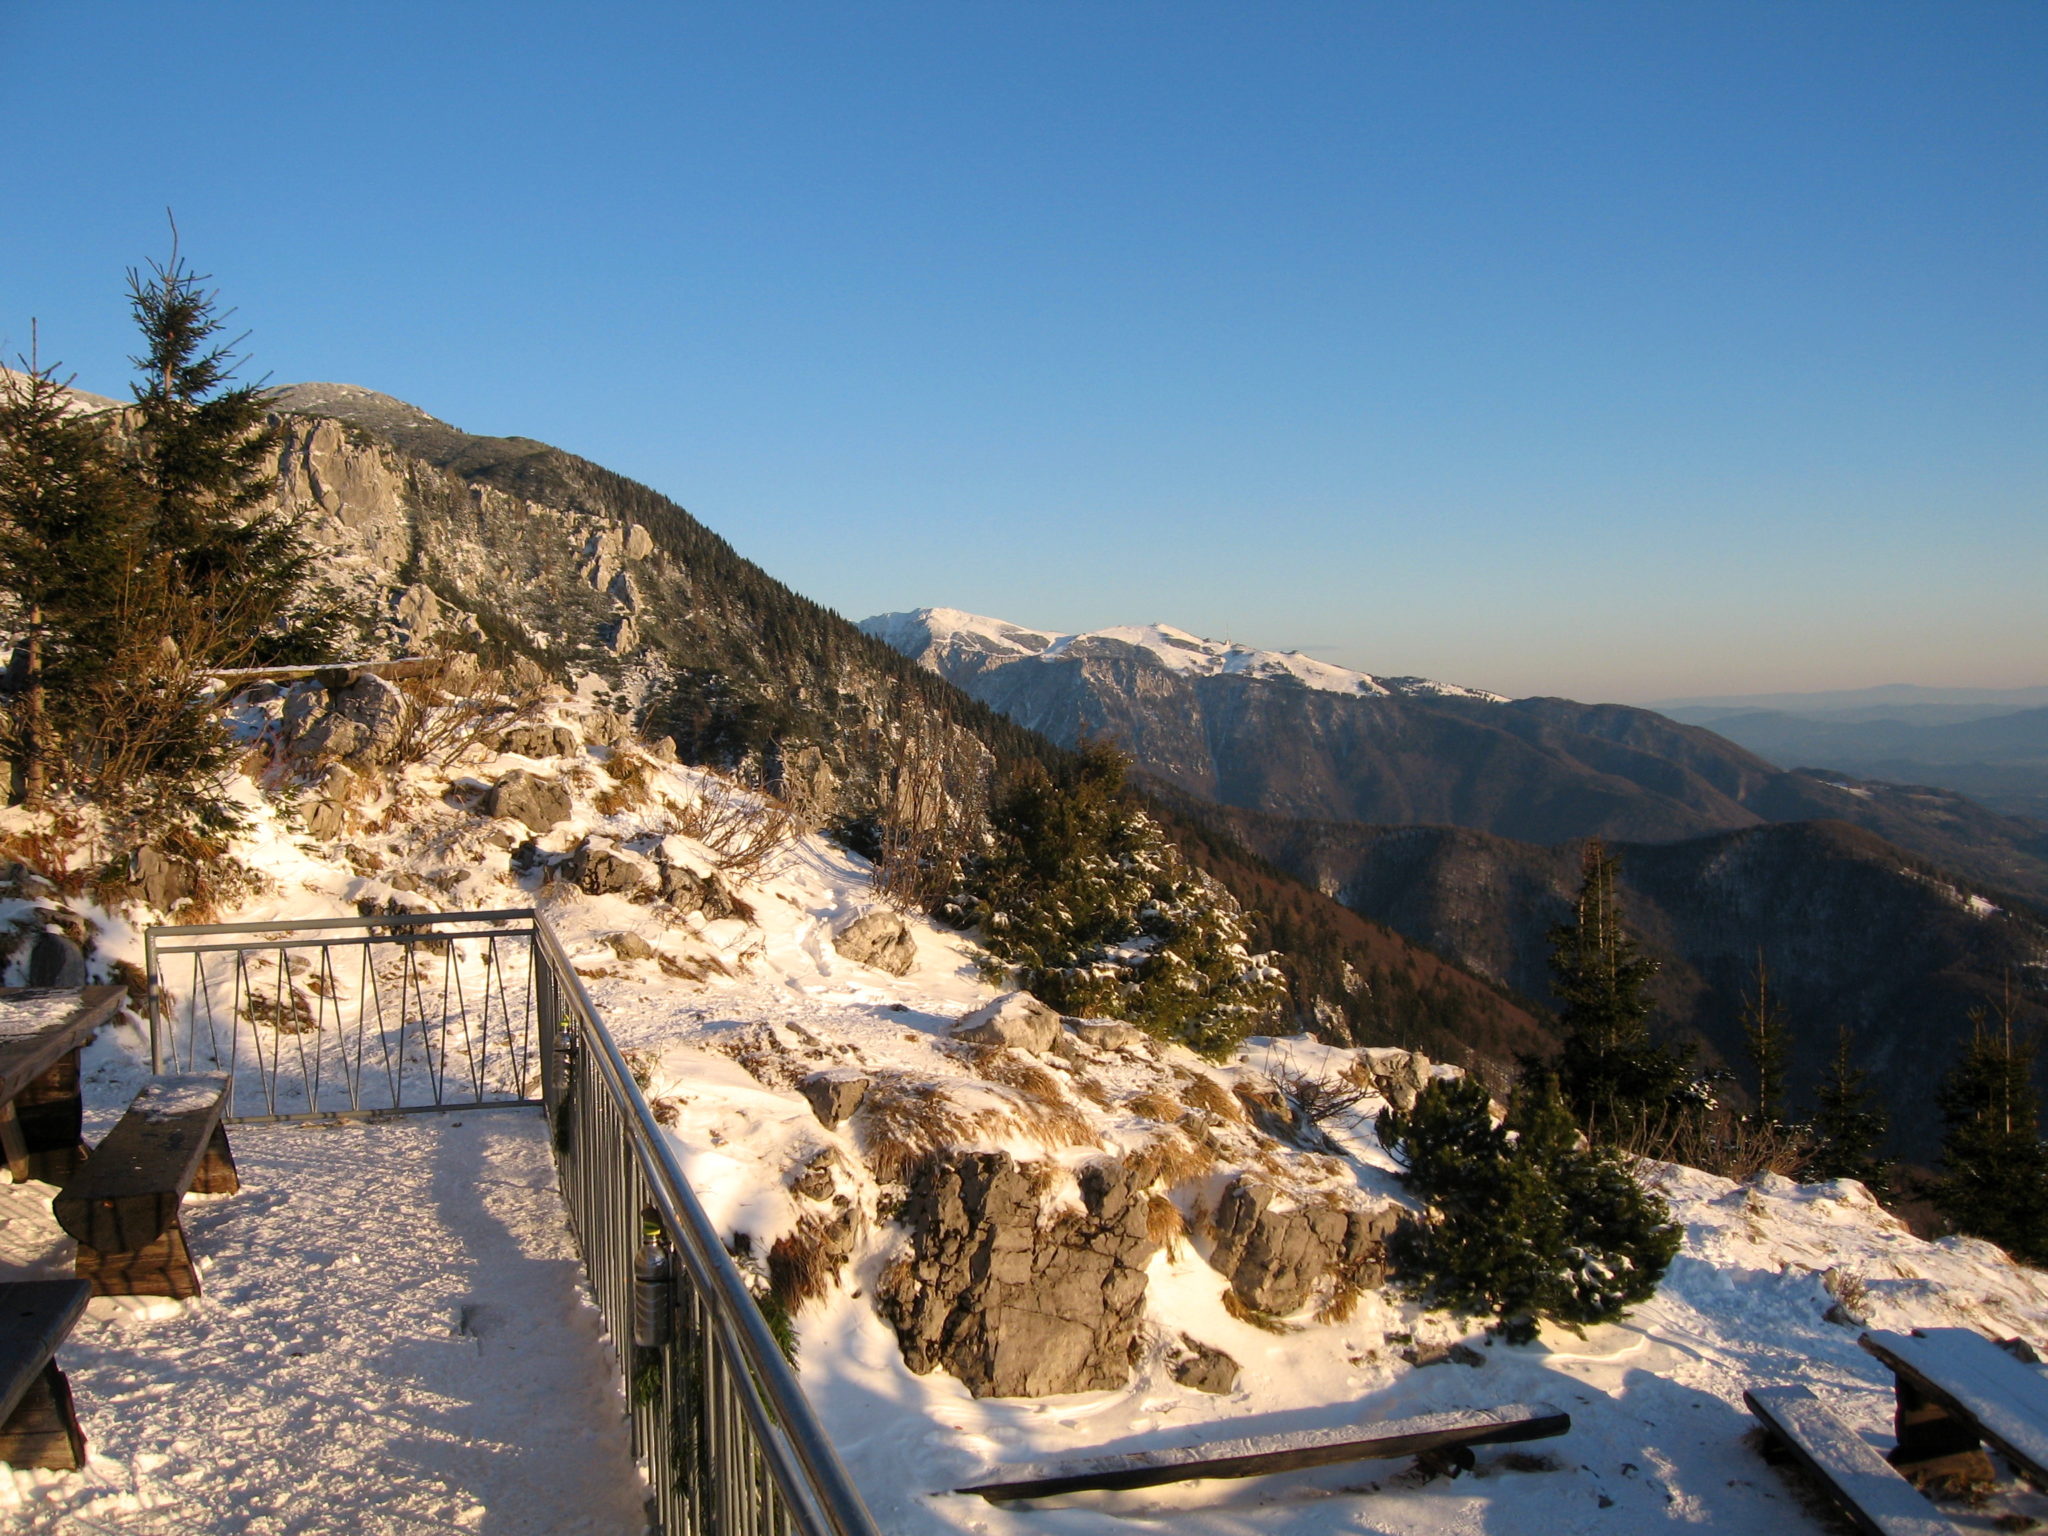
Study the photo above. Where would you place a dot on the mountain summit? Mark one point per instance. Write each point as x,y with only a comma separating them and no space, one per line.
950,641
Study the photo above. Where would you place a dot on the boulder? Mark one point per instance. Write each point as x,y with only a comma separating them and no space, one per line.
364,719
1103,1034
1396,1075
54,961
639,542
834,1094
682,888
1274,1250
324,819
525,797
1204,1368
1012,1303
880,939
629,946
159,880
537,740
604,869
1015,1019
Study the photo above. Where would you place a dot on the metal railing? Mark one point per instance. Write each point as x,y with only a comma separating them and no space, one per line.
384,1015
722,1431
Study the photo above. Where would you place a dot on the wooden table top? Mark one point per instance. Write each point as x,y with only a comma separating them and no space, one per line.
40,1025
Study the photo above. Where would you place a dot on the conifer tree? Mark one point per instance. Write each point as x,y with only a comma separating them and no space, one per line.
1612,1074
1764,1044
1081,891
1524,1223
69,527
1847,1124
1994,1173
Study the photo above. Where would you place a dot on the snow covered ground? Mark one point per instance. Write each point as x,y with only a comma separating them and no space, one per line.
393,1339
331,1340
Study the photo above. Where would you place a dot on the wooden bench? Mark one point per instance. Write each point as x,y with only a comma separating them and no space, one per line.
122,1206
1869,1491
38,1426
1957,1389
1256,1456
41,1032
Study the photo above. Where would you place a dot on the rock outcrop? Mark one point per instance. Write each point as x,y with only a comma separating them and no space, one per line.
525,797
1274,1248
1015,1019
1011,1303
880,939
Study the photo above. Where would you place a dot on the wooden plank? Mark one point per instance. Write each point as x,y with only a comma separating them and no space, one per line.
36,1029
160,1268
51,1115
127,1193
1259,1455
35,1317
2003,1400
1875,1497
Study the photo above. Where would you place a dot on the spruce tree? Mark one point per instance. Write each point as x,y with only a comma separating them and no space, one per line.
1847,1124
1524,1222
1994,1169
1764,1044
1613,1075
70,524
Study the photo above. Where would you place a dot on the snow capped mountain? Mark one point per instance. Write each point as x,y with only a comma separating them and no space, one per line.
946,639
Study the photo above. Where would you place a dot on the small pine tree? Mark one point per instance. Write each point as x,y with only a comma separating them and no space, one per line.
1613,1075
1994,1169
1847,1124
1764,1043
1525,1223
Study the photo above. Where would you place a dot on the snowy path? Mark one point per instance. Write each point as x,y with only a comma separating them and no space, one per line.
394,1339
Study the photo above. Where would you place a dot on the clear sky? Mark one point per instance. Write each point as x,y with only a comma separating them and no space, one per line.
1614,350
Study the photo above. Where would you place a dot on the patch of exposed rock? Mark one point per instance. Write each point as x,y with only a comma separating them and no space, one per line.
1275,1247
526,797
1016,1019
1010,1303
880,939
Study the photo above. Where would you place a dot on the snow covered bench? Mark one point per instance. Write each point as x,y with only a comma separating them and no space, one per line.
38,1426
1436,1433
1870,1493
122,1205
1957,1389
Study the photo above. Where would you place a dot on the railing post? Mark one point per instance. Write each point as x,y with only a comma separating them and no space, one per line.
150,989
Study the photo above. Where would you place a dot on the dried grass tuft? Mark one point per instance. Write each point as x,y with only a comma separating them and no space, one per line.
1154,1105
1244,1312
1173,1159
904,1119
1164,1225
1209,1096
803,1264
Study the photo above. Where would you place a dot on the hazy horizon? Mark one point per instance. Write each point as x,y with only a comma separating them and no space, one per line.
1627,353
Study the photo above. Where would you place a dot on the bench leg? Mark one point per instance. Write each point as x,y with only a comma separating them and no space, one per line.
161,1268
12,1146
216,1175
50,1116
1935,1445
43,1429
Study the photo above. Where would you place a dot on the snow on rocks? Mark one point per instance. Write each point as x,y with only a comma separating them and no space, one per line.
1015,1019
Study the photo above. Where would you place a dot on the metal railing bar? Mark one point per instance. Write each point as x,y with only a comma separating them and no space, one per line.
366,941
382,920
738,1319
372,1116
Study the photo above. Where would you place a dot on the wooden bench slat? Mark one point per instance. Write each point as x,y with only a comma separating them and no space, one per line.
1871,1493
35,1317
127,1193
26,1056
1256,1456
2005,1401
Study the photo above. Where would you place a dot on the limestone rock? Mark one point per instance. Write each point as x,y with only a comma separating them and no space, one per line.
629,946
1397,1075
1204,1368
606,729
525,797
325,819
159,880
880,939
1274,1251
639,542
1012,1304
533,740
1104,1034
602,869
1015,1019
418,610
363,719
834,1094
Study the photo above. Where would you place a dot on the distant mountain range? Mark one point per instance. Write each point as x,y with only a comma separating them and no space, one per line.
1279,732
1454,816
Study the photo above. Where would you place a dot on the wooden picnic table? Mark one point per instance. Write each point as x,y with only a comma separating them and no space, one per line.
42,1030
1956,1389
38,1425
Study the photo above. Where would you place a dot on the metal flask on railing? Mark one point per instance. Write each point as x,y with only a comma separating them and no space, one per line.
654,1292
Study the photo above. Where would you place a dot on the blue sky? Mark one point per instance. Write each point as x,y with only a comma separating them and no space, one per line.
1612,350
